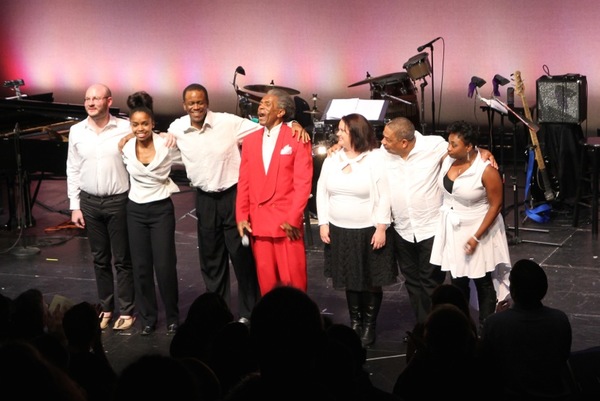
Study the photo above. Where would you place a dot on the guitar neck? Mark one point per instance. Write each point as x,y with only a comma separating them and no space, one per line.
534,139
548,192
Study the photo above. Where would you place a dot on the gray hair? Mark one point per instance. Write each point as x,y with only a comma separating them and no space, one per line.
285,102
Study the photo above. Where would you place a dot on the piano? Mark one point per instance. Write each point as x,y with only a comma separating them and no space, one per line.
33,147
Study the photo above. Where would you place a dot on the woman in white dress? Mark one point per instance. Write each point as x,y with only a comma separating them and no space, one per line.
471,241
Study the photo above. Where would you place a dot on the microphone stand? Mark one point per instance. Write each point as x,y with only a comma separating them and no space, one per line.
430,45
238,70
24,205
423,123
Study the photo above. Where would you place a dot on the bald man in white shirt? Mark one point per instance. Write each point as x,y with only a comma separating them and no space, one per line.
97,185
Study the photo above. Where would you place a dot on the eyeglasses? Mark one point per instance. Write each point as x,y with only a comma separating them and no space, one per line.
95,99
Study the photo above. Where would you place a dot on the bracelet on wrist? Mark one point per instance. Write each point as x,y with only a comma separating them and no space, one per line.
475,238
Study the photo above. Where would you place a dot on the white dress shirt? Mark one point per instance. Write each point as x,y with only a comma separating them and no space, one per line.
211,155
269,142
94,163
415,196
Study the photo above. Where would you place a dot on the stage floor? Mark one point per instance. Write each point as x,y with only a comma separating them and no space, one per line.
64,267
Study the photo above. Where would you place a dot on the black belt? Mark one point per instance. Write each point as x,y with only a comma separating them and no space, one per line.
83,194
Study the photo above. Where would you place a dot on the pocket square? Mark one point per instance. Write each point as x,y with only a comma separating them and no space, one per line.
287,150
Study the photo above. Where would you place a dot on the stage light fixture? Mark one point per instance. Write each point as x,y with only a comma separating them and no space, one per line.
498,80
475,83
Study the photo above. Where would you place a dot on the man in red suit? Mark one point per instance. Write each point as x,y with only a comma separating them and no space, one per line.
273,189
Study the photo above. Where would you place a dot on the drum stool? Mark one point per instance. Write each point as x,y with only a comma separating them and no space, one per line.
589,174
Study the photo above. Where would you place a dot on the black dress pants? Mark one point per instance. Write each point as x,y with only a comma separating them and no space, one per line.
152,242
420,276
106,226
218,242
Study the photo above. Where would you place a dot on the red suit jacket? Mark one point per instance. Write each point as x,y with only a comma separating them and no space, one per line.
268,200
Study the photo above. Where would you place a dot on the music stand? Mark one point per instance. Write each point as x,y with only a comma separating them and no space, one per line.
23,202
373,110
527,124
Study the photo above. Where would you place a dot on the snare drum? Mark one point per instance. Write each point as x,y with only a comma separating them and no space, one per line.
418,66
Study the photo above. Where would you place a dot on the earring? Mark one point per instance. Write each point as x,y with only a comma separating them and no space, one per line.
468,156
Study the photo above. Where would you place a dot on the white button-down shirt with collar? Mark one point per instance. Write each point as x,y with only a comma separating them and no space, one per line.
94,163
416,197
211,155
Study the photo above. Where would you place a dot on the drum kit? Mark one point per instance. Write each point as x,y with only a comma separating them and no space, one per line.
249,99
248,102
390,86
397,87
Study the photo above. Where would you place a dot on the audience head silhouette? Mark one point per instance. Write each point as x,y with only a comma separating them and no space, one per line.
528,283
448,333
29,315
287,332
80,324
450,294
207,315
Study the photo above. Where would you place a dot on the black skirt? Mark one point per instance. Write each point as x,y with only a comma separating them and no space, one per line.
353,264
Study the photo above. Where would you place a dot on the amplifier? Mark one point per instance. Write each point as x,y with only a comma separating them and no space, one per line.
562,99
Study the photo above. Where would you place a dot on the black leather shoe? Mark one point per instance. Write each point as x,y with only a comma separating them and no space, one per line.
147,330
172,329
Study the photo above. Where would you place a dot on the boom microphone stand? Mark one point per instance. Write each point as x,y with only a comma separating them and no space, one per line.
239,70
420,49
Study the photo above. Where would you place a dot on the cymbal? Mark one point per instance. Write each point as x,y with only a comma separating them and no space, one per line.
313,112
395,76
266,88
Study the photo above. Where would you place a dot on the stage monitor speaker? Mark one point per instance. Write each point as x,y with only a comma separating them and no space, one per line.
562,99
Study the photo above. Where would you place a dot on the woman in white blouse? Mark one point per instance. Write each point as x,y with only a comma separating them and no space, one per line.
353,208
151,220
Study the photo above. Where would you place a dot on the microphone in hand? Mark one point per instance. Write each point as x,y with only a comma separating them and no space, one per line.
245,238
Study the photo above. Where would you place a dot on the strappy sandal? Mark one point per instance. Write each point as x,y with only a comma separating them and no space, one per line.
124,323
105,318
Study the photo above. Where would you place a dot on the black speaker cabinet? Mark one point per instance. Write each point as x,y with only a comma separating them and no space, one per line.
562,99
